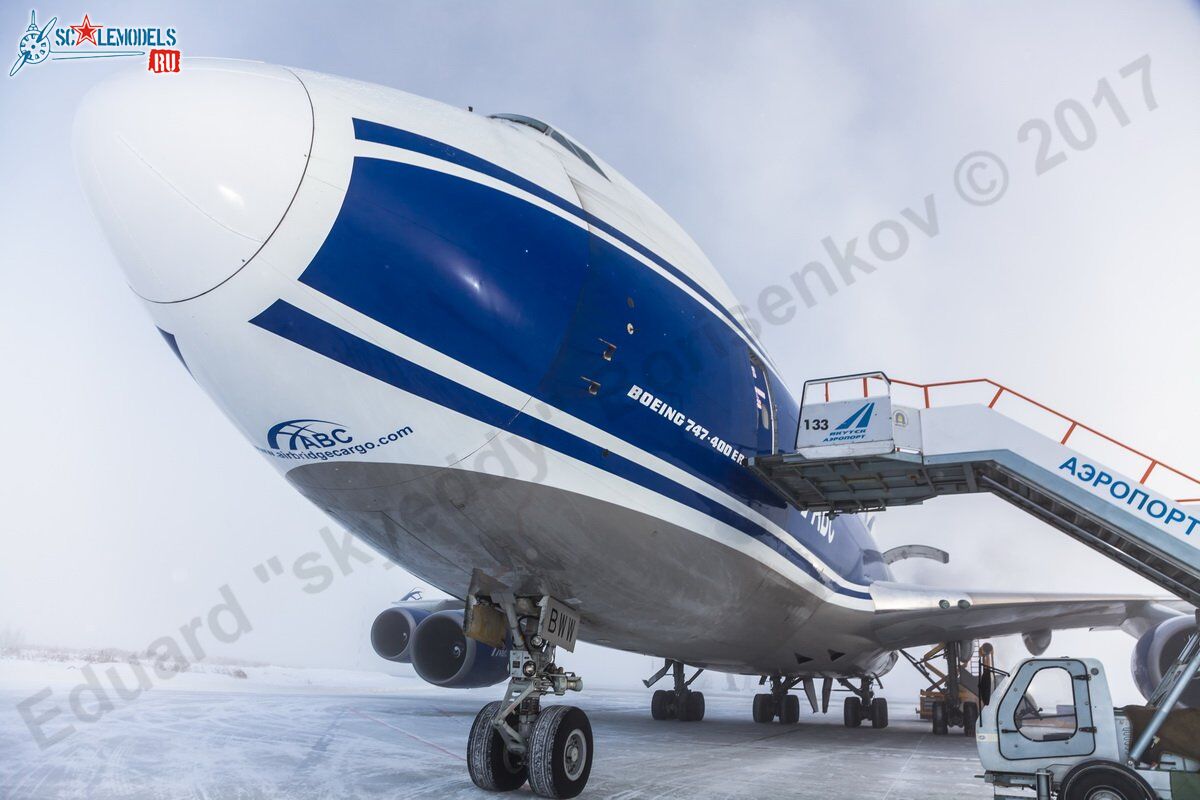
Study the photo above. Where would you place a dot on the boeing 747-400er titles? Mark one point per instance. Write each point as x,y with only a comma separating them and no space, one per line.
476,345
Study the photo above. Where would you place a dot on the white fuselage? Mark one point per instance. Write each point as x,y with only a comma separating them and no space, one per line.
477,346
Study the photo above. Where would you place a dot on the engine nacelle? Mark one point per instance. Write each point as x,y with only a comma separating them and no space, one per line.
392,632
1156,650
1037,642
444,656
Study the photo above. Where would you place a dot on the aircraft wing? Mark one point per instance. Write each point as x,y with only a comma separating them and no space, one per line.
911,616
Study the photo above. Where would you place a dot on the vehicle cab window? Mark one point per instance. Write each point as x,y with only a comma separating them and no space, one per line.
1046,712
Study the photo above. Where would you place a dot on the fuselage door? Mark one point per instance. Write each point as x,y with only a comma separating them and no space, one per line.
764,405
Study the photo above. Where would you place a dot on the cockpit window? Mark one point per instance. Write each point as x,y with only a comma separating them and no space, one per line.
521,119
546,130
578,151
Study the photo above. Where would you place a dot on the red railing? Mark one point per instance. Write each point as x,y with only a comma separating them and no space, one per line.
1073,425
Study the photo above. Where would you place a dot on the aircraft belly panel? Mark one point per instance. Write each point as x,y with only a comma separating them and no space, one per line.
723,607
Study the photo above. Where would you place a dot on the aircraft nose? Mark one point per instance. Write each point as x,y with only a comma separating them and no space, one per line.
190,173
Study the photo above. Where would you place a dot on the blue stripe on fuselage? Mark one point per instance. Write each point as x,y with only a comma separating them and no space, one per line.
306,330
491,280
526,297
367,131
482,276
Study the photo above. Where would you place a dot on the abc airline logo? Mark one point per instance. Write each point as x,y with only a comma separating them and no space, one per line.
307,434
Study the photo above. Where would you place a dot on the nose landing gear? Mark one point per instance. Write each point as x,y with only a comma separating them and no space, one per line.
491,764
516,739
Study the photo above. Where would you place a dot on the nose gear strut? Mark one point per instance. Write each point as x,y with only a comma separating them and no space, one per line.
517,739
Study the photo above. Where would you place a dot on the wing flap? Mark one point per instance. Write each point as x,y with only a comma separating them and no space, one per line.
911,616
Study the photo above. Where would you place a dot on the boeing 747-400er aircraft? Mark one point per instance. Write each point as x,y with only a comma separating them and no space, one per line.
479,347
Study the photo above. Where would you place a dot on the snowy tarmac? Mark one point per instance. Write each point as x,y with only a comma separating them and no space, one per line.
397,738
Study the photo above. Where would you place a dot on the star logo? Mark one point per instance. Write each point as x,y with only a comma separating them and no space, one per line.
85,31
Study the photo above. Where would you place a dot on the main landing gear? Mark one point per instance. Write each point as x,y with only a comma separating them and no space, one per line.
516,739
863,705
779,703
680,703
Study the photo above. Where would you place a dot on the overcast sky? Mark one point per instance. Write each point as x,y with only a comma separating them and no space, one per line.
764,128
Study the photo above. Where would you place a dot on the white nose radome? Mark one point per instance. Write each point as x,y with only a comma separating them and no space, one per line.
190,173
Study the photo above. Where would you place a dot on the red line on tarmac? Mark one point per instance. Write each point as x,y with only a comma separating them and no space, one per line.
409,735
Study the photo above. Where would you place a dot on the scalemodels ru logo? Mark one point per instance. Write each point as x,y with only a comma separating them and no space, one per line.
52,42
321,440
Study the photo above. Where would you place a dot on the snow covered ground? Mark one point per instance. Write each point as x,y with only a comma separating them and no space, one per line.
247,731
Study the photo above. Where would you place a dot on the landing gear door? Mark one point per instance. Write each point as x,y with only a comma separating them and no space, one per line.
1046,712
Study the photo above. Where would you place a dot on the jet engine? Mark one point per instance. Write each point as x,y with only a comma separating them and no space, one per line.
1037,642
444,656
430,637
1157,650
392,632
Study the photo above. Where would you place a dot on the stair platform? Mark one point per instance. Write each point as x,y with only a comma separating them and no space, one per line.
867,453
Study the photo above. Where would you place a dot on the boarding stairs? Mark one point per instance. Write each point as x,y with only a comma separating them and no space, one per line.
865,452
860,447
